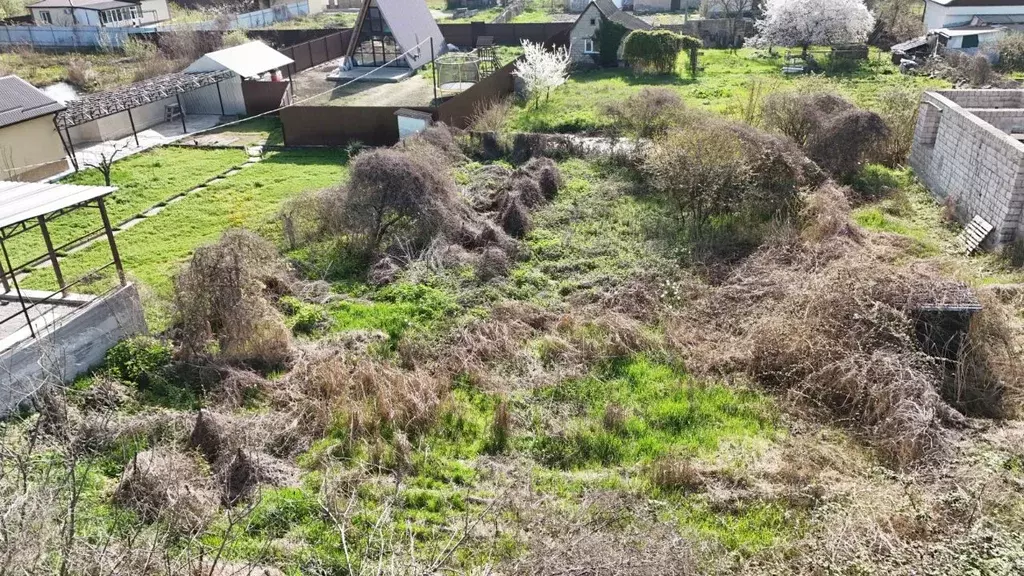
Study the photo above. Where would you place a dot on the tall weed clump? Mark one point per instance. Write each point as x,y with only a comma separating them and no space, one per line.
222,304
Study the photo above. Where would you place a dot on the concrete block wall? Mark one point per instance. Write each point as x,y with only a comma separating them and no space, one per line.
984,98
69,348
961,157
1009,120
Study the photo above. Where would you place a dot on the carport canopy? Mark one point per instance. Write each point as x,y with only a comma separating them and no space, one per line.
247,60
26,206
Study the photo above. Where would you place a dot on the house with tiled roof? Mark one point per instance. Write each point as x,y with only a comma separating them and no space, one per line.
30,146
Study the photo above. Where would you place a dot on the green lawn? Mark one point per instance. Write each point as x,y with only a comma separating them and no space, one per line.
725,86
143,181
153,250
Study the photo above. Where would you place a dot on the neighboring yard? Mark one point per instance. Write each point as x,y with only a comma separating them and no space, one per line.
728,84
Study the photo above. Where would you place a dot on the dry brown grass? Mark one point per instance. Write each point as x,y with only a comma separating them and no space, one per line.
606,534
328,386
830,321
169,486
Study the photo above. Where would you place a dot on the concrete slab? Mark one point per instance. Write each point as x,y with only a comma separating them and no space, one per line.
91,154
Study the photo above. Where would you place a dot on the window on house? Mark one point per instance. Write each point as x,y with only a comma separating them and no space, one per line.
593,21
588,46
45,17
970,41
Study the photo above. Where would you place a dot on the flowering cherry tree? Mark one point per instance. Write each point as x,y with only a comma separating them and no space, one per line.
542,70
813,22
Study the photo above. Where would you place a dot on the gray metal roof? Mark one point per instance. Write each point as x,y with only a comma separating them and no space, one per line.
611,12
412,25
20,101
22,201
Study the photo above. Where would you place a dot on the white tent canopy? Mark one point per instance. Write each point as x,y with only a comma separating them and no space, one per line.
247,60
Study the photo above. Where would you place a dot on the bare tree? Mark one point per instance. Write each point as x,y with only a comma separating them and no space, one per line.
105,164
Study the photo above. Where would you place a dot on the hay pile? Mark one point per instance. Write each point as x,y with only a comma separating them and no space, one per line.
164,485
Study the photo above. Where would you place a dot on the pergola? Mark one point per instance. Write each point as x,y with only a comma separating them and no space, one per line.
28,206
102,104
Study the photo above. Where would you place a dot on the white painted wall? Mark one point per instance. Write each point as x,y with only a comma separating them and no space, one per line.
119,125
939,16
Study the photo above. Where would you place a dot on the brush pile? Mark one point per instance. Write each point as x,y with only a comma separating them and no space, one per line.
832,320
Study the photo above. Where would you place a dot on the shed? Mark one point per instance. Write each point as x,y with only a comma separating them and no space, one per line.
257,85
30,146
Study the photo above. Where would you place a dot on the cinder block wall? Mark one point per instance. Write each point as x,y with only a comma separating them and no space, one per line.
962,157
1008,120
69,348
984,98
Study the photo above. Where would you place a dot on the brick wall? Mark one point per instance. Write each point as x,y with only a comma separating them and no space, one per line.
962,157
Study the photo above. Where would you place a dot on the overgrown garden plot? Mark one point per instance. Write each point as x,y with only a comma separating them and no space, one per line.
731,83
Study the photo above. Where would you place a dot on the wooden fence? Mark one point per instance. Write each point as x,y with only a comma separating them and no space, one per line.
317,51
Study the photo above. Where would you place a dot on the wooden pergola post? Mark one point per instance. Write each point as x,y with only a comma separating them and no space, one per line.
135,132
181,110
53,255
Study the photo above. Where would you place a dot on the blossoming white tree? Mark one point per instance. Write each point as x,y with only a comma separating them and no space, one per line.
542,70
813,22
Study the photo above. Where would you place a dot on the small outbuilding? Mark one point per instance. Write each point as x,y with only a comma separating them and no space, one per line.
399,35
585,45
258,83
30,146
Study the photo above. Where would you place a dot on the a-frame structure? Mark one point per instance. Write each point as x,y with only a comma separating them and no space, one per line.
387,29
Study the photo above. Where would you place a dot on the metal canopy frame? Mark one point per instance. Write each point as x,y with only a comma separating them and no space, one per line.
9,273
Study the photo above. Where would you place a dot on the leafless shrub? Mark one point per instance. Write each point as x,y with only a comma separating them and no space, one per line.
701,171
210,436
860,132
898,108
165,485
800,115
989,379
235,386
158,65
493,263
220,298
188,44
435,141
249,470
827,214
395,197
486,190
82,74
501,426
647,113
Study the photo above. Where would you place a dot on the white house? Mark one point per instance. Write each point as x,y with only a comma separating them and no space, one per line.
954,13
105,13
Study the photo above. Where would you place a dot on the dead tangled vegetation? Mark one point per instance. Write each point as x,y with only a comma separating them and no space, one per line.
687,360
